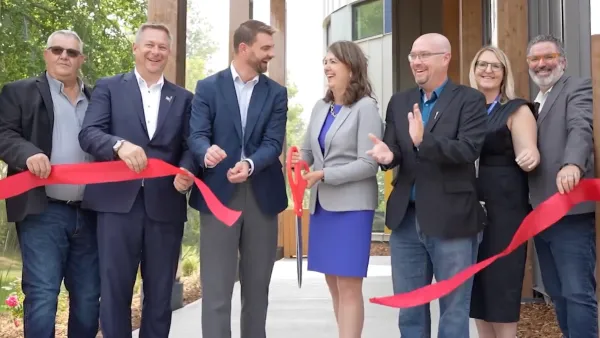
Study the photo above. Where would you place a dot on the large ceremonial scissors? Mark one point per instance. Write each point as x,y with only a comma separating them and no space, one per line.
297,186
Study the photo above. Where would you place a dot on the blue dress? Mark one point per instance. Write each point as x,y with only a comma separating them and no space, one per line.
339,243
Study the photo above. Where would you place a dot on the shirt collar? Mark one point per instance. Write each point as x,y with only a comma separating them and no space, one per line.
58,84
141,80
436,93
236,75
540,96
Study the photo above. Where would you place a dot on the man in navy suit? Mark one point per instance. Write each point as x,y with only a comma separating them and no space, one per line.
132,117
237,130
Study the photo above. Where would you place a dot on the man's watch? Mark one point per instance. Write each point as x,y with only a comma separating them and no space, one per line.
118,145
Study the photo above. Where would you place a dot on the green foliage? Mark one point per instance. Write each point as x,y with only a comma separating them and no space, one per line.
369,19
12,290
105,26
199,46
295,125
190,260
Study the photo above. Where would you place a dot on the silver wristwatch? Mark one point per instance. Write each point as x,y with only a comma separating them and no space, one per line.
118,145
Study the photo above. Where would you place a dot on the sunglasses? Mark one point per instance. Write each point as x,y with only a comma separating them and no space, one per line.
72,53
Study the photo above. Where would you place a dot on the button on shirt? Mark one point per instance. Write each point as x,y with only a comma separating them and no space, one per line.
151,101
68,117
426,106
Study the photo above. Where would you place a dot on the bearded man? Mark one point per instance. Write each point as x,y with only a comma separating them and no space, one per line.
567,250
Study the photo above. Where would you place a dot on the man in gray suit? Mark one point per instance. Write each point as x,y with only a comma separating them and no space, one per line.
567,250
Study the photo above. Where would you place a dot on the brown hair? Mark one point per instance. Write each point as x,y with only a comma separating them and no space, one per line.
351,55
246,33
153,25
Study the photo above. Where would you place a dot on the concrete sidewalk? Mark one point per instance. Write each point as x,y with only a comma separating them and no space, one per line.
307,312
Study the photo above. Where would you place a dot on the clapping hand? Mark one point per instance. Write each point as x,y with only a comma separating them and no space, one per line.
380,151
415,125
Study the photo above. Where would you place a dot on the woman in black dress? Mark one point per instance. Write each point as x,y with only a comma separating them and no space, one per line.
509,152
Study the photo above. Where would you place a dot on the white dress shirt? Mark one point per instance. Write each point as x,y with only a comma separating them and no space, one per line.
243,92
151,101
541,98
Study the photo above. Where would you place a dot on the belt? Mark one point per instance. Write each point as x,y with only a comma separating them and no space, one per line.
69,203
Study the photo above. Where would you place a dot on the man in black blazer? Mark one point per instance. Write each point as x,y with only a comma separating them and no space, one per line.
433,210
40,118
133,117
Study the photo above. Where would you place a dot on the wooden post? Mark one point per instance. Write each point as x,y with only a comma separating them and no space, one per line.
462,24
513,36
239,12
277,72
172,13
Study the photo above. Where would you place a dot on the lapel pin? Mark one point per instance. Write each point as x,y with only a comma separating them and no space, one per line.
436,115
169,98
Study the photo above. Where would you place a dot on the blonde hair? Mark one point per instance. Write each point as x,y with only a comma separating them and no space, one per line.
507,86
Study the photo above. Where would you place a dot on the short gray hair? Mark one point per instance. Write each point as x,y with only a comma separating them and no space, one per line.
547,38
65,32
150,25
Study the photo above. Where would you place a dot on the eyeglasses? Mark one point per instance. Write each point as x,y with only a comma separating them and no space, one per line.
422,56
483,65
57,50
533,59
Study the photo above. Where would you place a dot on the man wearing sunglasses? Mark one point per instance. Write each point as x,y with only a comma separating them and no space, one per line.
40,119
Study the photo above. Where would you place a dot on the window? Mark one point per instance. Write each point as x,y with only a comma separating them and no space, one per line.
367,19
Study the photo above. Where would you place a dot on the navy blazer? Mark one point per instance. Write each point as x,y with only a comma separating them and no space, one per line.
116,112
215,119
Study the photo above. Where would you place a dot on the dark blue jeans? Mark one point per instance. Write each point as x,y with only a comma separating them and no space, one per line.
416,258
567,256
60,244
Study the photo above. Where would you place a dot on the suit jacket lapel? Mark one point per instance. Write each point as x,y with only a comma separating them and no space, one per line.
44,88
319,115
335,125
257,102
133,95
442,102
227,90
554,92
167,97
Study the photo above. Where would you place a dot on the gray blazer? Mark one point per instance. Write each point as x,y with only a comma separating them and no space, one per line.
565,136
349,181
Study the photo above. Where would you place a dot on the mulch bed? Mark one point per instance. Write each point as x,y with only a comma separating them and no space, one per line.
537,319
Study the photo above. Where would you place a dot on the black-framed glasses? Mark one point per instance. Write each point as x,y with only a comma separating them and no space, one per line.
57,50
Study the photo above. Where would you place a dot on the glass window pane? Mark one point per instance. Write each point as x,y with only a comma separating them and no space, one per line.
367,19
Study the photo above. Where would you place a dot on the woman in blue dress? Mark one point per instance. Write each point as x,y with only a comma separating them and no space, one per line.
344,192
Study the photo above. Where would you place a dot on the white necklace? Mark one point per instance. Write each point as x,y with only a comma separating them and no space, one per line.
332,112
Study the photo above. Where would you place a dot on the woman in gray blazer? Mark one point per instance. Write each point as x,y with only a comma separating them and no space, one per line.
344,192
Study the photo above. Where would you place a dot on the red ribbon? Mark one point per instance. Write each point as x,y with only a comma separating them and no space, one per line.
538,220
104,172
